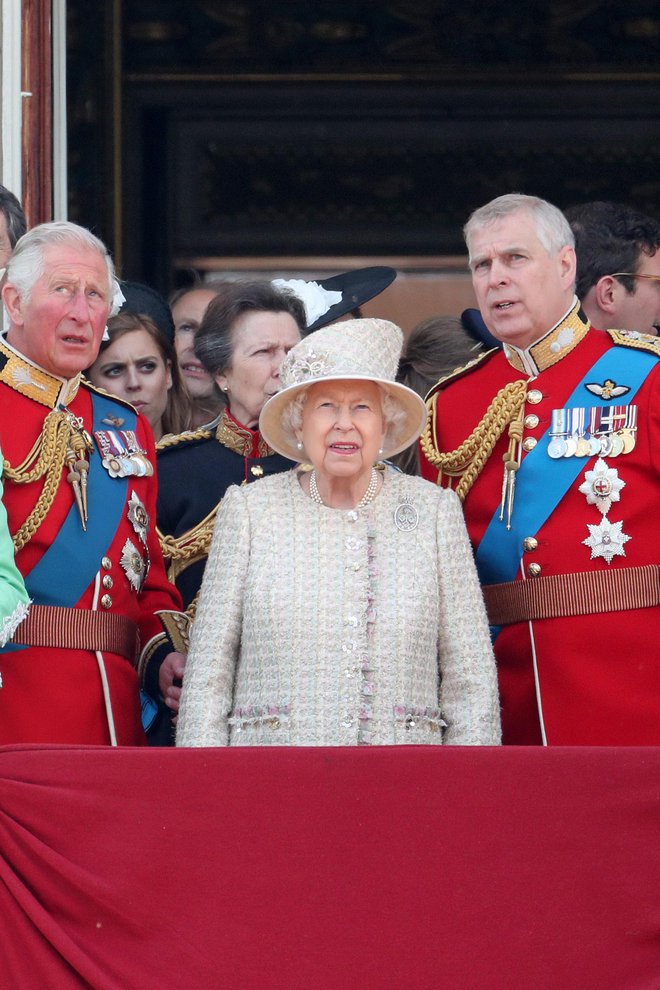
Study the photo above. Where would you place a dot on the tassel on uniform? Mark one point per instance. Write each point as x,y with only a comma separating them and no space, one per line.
74,479
511,465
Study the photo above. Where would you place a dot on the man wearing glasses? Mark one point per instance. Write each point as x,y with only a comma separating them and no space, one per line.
618,266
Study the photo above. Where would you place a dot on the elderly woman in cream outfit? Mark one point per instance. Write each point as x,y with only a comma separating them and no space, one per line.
340,606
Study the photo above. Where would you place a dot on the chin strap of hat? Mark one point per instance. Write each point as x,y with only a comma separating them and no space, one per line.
467,460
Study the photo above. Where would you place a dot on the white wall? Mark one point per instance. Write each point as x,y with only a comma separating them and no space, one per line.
10,96
60,184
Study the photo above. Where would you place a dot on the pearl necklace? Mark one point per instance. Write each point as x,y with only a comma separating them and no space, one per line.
368,496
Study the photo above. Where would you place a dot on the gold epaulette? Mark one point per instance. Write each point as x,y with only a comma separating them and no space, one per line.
464,369
467,461
640,341
188,436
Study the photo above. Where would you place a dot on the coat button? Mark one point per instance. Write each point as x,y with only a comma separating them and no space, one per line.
529,443
530,543
534,570
534,396
106,601
106,563
107,582
531,421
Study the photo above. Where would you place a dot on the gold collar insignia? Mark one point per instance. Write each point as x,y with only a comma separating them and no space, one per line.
29,379
554,346
240,439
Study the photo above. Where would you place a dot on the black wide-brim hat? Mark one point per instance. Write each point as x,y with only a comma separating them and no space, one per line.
357,287
142,299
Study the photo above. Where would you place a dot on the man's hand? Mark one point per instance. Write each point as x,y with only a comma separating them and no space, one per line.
169,679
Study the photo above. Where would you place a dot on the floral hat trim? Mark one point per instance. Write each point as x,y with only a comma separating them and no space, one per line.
305,368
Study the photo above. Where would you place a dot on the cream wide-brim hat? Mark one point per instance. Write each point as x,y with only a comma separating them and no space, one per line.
355,350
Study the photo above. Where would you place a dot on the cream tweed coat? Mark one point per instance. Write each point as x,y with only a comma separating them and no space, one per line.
325,627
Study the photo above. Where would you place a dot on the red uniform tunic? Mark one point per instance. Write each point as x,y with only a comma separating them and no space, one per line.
56,695
590,679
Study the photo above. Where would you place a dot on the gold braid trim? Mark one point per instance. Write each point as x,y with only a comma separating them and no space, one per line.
468,460
174,439
182,551
47,457
191,611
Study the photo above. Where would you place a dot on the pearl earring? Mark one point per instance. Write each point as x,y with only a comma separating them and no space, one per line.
380,451
299,445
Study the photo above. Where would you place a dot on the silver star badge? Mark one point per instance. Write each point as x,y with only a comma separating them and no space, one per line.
135,567
602,486
606,540
138,516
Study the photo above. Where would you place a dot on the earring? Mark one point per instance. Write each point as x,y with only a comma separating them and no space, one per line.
225,388
380,451
299,445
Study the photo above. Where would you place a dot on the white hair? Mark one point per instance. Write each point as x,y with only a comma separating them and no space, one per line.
394,414
552,228
26,264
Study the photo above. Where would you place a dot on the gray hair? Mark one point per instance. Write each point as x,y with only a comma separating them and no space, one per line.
394,415
26,265
552,228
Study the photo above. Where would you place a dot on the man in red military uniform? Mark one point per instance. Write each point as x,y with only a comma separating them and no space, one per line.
80,494
554,445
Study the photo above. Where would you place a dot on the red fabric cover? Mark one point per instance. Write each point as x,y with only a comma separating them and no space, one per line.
136,869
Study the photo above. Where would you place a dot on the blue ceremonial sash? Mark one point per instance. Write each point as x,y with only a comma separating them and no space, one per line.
72,561
542,481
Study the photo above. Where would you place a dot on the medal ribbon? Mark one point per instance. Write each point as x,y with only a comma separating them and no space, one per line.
117,442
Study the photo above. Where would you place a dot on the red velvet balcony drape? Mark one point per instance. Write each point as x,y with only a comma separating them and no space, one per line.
502,869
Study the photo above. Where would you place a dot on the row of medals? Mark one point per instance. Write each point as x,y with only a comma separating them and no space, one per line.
121,453
569,438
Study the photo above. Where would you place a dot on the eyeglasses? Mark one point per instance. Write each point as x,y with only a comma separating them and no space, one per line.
652,278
